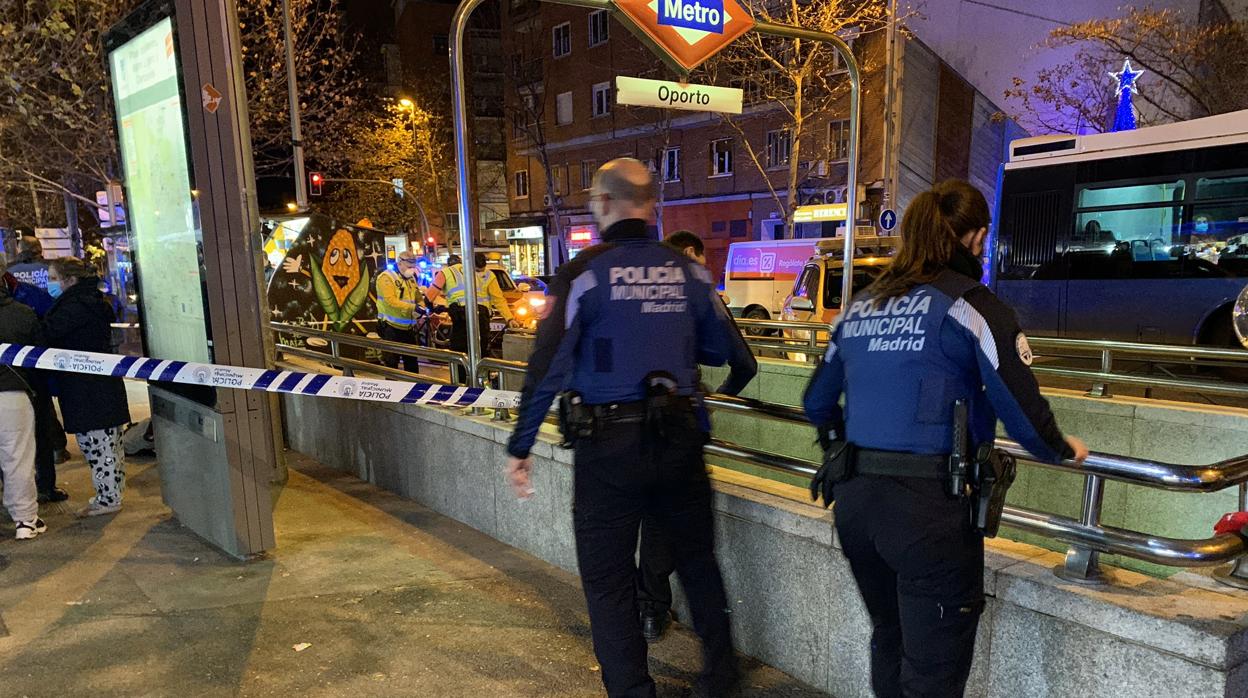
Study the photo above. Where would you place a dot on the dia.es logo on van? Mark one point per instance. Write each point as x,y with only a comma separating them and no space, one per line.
767,263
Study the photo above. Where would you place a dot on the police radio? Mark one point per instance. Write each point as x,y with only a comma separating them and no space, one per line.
959,455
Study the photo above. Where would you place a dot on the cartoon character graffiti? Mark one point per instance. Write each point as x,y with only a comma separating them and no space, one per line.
340,279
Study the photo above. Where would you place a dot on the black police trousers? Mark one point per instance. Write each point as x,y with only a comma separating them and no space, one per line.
655,566
459,335
919,565
390,333
621,475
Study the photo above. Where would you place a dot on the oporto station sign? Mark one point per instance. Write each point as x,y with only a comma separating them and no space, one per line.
674,95
688,32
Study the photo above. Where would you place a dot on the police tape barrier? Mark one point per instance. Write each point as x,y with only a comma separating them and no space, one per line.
293,382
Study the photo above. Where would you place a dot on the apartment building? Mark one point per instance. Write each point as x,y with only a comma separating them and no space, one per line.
564,122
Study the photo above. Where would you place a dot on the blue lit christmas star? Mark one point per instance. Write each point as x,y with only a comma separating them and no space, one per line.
1126,77
1124,115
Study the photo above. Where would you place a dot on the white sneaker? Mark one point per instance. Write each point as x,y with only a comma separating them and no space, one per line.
29,529
94,508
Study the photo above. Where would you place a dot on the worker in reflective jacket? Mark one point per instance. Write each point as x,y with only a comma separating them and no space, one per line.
630,321
924,336
397,298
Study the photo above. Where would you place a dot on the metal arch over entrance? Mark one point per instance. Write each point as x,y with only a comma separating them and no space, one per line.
459,106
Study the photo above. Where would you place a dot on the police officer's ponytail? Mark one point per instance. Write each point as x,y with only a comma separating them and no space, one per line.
930,231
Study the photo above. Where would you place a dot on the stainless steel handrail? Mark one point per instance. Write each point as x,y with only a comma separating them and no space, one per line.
813,344
1086,535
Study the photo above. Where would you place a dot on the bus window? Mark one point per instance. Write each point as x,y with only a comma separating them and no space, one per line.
1030,233
1222,188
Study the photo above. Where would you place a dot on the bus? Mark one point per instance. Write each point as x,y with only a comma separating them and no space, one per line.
1136,236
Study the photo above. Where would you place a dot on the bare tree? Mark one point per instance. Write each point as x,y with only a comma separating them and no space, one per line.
1194,69
329,84
528,105
56,133
804,80
55,136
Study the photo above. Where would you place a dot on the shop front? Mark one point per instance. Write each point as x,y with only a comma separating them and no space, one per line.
526,244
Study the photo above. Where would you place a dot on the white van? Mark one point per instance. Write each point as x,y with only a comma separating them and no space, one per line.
759,275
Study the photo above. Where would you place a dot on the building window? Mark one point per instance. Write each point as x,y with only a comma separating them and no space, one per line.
522,185
561,39
721,157
739,228
559,174
779,147
838,140
602,99
588,168
441,45
563,108
671,164
598,27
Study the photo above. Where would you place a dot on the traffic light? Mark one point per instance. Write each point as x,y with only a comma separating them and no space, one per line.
431,247
316,179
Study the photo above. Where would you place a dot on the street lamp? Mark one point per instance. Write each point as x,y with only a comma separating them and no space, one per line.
406,103
292,206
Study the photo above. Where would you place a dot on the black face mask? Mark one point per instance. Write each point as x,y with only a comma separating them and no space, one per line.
966,263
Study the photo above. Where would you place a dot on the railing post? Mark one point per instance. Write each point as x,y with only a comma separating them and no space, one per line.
1236,574
1107,366
337,354
1083,565
501,414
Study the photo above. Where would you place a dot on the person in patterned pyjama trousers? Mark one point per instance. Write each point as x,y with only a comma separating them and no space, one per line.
94,407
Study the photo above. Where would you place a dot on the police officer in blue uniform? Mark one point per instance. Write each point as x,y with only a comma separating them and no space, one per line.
923,337
629,323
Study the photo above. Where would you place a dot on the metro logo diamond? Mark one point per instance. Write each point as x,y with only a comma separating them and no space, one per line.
703,15
687,32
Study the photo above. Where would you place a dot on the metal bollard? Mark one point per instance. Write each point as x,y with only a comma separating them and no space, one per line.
1083,565
1236,573
1107,366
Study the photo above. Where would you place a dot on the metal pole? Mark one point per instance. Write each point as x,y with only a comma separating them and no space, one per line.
1083,564
855,114
459,111
890,107
296,132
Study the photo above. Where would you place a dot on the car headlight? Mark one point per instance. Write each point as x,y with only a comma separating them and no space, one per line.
1239,317
522,311
537,302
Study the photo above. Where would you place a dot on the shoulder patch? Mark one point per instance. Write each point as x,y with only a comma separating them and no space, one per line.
1024,349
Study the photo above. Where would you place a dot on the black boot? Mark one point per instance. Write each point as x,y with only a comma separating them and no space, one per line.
654,622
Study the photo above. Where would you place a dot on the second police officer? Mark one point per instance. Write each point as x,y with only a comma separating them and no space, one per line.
629,323
924,344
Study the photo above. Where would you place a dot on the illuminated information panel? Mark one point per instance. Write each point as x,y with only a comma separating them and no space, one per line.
165,230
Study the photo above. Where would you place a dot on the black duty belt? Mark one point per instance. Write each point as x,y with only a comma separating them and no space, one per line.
897,464
633,412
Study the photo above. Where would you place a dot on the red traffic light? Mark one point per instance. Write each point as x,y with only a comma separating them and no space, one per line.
430,240
316,179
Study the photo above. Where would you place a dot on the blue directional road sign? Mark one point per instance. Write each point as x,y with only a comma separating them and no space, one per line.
888,220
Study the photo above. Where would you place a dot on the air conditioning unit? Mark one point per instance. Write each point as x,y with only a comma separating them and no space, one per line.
831,197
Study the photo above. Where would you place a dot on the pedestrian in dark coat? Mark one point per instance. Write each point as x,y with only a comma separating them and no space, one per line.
94,407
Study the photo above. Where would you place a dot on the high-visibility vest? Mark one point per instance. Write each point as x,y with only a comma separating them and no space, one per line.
398,315
454,278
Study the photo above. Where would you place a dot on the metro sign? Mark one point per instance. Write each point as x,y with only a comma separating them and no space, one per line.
688,31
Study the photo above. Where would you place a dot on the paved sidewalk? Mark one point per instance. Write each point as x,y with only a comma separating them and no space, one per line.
389,597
